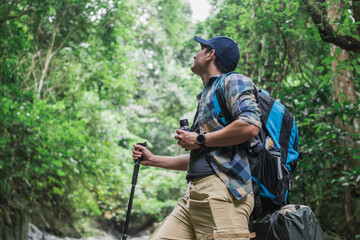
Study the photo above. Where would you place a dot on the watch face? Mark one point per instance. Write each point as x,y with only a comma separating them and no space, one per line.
200,139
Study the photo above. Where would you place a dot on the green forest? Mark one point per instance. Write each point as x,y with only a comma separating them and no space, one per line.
81,81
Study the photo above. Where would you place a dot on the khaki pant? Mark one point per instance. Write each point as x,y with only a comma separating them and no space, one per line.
211,212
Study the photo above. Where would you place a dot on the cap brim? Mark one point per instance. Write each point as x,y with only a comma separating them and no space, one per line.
202,41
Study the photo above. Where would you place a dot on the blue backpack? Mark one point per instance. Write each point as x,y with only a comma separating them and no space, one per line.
273,157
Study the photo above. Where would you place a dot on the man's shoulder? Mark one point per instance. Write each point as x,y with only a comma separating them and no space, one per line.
238,79
236,75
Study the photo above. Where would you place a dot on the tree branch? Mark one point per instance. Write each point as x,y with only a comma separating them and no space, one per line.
356,13
282,61
326,31
48,57
51,53
18,16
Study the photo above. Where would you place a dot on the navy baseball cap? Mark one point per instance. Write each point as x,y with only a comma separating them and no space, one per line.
226,50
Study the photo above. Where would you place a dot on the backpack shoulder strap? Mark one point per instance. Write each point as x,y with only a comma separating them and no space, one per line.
219,101
222,112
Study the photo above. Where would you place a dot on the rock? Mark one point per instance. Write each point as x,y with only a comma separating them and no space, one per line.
49,223
34,233
13,223
53,220
139,222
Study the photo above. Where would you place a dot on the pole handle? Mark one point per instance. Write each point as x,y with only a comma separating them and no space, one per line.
137,166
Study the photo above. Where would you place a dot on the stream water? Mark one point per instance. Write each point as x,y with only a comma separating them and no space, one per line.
36,234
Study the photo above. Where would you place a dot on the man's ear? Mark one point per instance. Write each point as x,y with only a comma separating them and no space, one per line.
211,55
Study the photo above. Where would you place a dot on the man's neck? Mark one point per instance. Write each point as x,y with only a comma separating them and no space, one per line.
206,75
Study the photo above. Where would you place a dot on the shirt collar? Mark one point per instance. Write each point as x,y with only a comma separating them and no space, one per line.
212,79
209,83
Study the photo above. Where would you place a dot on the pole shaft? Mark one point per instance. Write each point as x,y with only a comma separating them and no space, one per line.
126,227
133,184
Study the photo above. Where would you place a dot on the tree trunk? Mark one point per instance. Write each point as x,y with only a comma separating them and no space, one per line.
343,77
344,87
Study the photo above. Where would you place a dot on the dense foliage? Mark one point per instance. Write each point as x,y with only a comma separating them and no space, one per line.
81,81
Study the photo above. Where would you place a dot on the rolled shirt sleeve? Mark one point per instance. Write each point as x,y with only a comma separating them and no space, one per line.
240,99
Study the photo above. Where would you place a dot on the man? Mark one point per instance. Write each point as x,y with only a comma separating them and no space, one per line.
219,198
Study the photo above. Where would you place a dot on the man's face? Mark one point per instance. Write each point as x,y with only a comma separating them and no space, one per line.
199,61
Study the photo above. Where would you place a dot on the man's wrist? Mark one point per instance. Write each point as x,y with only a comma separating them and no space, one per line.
201,139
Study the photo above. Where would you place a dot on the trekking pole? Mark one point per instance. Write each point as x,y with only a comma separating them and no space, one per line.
133,184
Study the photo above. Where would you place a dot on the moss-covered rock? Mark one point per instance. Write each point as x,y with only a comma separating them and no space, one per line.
53,220
13,223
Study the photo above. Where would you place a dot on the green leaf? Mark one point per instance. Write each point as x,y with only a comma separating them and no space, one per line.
57,163
309,166
343,17
60,173
58,191
320,68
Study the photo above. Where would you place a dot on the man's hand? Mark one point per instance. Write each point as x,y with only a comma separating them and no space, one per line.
147,157
178,163
187,140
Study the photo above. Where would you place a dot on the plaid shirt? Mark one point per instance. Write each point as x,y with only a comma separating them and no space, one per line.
230,163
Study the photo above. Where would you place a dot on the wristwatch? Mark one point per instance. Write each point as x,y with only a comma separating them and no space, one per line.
201,139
